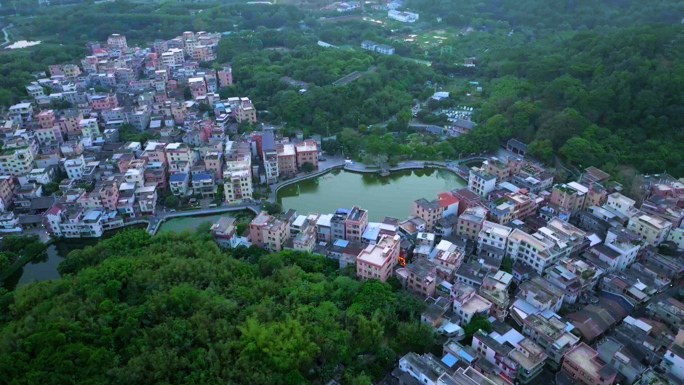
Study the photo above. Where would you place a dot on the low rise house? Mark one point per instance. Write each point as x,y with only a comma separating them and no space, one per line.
614,353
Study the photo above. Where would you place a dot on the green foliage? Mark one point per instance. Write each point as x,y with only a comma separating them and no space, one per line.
171,202
308,167
50,188
507,265
478,322
4,264
272,208
128,133
177,309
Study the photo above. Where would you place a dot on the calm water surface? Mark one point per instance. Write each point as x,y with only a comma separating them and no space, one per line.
381,196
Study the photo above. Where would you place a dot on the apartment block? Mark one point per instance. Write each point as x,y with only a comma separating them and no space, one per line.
494,289
287,159
481,182
16,157
467,303
569,196
429,211
551,334
583,364
307,152
470,222
237,185
542,294
377,261
269,232
653,230
355,223
492,239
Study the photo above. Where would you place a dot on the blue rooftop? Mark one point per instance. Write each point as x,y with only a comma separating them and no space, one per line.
201,176
178,177
449,360
341,243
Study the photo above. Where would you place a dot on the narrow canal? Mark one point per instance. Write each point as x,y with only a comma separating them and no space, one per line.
380,195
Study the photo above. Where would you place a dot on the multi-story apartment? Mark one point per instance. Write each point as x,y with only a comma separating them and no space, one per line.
620,203
470,222
269,232
179,183
620,248
481,182
116,40
75,167
517,357
16,157
213,164
70,122
89,128
653,230
550,333
225,76
566,280
503,170
545,247
492,239
377,261
429,211
245,111
421,277
46,118
146,197
541,294
6,191
494,289
467,302
203,184
355,223
198,87
569,196
21,113
103,101
287,159
583,364
307,152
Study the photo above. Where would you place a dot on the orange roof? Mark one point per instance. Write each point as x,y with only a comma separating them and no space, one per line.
446,199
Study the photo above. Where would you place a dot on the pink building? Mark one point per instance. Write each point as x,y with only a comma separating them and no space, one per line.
307,152
225,76
355,224
46,118
377,261
287,159
70,122
104,102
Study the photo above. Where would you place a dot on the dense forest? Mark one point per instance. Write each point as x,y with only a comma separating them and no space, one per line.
175,309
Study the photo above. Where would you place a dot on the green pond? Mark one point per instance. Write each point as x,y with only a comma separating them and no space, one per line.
381,195
191,223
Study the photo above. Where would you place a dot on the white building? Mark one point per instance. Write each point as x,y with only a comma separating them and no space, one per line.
481,182
403,16
493,239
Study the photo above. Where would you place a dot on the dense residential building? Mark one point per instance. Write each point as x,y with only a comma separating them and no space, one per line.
584,365
355,223
481,182
429,211
467,303
470,222
653,230
269,232
377,261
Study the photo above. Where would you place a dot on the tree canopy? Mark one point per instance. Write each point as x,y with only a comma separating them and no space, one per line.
174,308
